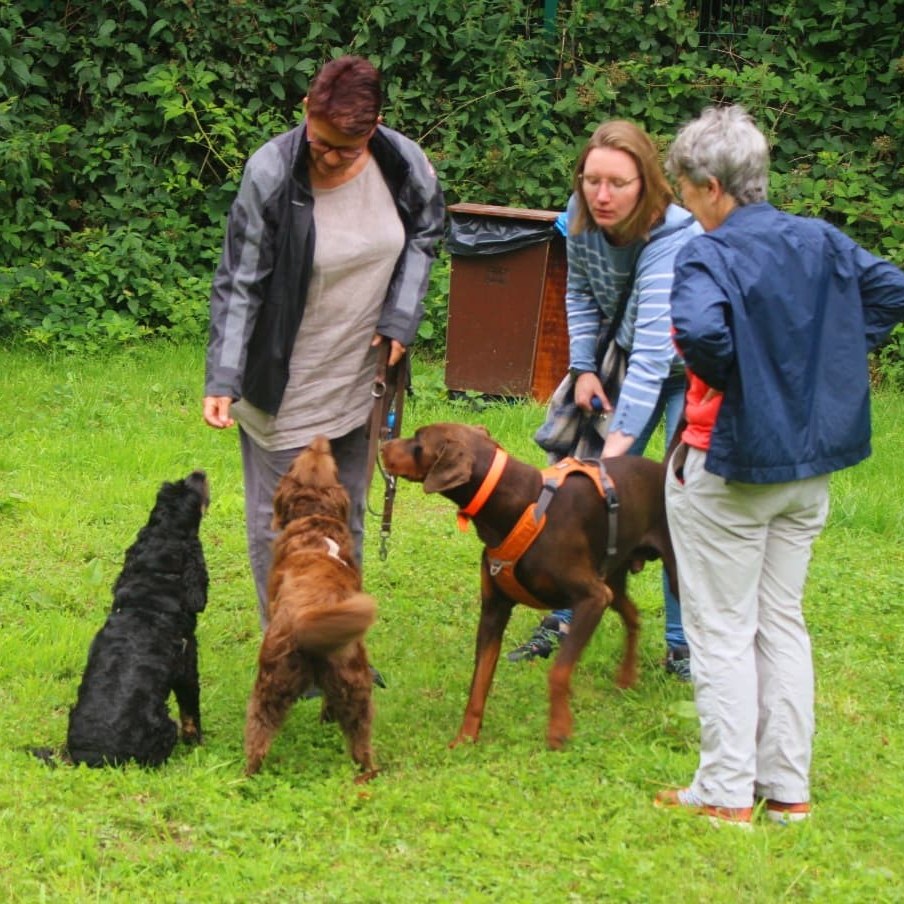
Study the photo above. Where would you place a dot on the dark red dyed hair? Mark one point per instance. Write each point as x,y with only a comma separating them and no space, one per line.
348,94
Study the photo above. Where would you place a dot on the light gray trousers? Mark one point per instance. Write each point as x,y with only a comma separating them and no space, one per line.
262,471
742,552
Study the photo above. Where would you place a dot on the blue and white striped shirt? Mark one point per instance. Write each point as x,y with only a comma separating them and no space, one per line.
597,274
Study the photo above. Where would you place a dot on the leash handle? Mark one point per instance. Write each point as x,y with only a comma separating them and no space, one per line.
391,429
389,387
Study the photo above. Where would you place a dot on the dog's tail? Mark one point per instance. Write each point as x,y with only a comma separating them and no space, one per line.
323,629
49,756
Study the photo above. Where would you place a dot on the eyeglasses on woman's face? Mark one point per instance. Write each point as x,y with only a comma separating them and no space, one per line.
593,184
346,152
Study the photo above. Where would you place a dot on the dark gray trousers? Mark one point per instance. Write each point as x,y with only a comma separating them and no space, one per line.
262,471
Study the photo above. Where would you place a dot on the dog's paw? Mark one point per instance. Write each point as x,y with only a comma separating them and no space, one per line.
559,733
47,755
366,777
190,732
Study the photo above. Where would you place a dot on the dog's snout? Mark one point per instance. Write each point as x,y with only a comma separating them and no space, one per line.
198,482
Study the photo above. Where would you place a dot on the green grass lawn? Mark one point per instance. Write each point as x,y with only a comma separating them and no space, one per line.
84,445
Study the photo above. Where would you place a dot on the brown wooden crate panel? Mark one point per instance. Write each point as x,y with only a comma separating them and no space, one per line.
494,307
510,213
551,360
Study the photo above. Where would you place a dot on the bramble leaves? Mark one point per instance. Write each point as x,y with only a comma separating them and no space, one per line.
117,123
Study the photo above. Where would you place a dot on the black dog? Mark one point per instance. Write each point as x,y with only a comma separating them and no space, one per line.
147,647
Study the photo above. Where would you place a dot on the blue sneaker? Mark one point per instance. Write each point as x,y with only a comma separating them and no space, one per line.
546,638
678,662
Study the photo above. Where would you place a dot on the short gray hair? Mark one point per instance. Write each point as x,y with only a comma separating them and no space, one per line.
723,143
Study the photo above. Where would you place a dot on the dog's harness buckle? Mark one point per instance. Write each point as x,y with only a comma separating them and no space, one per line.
611,508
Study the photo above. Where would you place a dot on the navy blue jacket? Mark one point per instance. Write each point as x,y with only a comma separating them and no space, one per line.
778,312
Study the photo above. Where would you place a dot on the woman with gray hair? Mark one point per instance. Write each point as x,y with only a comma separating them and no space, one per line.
774,315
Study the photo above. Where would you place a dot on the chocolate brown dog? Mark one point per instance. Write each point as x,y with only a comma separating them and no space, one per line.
318,614
572,562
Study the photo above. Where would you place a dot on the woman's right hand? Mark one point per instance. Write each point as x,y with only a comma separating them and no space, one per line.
216,411
586,388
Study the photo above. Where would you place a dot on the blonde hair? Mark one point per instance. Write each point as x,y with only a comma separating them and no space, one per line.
655,192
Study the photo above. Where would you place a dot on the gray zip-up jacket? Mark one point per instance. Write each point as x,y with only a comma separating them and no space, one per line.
260,286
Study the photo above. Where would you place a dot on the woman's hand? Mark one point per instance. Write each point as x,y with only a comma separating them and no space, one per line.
586,388
396,349
216,411
617,443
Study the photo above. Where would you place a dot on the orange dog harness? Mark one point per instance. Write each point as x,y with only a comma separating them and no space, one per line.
503,558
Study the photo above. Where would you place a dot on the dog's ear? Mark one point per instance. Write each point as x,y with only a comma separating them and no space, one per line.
335,501
281,500
453,467
195,580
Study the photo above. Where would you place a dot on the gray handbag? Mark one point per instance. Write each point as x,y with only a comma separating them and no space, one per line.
570,431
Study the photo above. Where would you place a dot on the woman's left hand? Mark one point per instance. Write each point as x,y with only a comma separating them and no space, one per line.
396,349
617,443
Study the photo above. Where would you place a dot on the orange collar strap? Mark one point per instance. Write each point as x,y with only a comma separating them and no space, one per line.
489,484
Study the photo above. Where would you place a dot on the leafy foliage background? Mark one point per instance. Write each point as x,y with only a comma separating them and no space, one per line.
124,125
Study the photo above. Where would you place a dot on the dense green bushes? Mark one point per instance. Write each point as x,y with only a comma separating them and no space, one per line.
125,126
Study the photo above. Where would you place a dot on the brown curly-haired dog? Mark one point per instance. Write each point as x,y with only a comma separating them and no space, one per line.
318,614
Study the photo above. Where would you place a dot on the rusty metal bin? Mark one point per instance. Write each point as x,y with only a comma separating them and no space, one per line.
506,332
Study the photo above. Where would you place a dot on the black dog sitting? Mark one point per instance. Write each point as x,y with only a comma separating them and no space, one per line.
147,647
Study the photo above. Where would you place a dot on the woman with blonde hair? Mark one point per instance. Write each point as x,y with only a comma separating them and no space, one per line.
624,231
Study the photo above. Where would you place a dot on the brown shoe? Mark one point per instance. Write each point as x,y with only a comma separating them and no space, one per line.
781,812
682,799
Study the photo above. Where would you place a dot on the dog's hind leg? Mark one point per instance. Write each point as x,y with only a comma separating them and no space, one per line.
495,613
587,615
277,687
349,692
626,676
158,743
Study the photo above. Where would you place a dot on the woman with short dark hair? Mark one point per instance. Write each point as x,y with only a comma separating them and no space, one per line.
327,255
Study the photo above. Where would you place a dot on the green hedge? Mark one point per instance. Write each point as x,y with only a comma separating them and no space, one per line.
125,125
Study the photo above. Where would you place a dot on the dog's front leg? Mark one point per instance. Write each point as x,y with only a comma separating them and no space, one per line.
495,612
187,689
587,615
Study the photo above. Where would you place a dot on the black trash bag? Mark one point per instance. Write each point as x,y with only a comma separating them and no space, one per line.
471,235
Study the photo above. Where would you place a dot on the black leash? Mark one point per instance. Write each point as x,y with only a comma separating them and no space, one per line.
390,385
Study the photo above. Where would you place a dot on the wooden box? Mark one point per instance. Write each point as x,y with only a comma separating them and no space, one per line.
506,332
